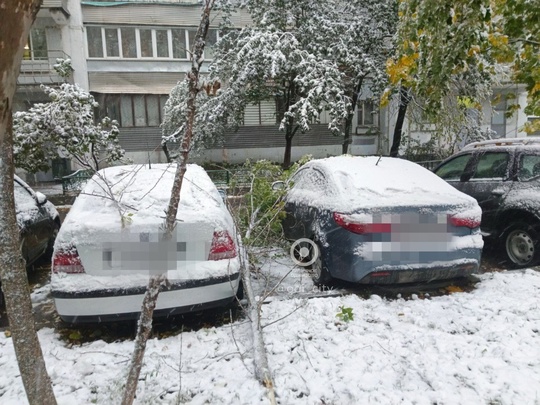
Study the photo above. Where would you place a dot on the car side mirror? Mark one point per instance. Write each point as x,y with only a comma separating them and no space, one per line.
41,198
223,194
278,185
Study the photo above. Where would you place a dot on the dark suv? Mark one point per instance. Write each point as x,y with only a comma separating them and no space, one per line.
504,177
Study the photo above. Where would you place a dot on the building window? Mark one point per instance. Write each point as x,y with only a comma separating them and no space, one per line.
111,40
211,40
147,49
179,44
131,42
498,118
365,113
36,46
162,43
262,113
95,42
132,110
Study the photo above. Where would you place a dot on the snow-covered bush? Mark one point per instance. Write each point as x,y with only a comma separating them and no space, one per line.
260,212
64,127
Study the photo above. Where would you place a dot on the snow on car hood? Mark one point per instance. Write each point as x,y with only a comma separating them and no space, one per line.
370,182
137,197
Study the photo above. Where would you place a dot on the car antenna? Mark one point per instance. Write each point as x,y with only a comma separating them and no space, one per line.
380,157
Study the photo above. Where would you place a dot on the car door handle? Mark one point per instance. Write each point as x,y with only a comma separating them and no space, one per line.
497,192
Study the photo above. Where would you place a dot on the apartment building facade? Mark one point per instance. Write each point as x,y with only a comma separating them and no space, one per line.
130,54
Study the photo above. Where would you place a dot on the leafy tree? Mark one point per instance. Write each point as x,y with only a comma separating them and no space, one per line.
444,57
357,35
17,18
65,127
185,136
516,36
308,56
205,133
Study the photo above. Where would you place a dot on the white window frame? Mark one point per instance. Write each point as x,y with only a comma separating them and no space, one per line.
361,110
153,31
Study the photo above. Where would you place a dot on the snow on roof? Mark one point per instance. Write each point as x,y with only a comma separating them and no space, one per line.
366,182
140,195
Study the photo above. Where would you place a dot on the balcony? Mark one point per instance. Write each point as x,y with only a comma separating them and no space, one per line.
38,68
192,2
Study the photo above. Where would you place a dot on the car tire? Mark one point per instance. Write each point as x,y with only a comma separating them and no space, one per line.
321,275
521,245
240,291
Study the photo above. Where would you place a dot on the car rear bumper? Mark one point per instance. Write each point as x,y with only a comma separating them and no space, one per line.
417,274
109,304
401,258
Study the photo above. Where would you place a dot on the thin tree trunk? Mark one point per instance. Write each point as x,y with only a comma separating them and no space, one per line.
166,152
404,98
155,282
144,327
347,134
17,18
260,359
288,150
350,116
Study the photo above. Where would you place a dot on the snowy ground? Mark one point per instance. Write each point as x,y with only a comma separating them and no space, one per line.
480,347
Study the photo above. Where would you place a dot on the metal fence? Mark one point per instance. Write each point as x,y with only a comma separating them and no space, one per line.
223,178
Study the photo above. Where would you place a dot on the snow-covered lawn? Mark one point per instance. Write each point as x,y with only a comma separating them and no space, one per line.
481,347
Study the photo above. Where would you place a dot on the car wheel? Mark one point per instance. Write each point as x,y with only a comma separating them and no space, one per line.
321,275
521,245
240,291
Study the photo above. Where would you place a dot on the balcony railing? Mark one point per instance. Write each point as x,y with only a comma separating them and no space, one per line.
38,68
144,1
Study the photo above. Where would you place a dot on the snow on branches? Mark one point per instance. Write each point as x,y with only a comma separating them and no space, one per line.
64,127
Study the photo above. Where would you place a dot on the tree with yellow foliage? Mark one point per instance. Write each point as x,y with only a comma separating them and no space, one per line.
450,51
517,26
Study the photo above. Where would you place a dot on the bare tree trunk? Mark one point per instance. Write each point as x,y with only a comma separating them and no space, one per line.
404,98
288,150
290,131
155,282
17,18
347,134
348,120
260,359
144,327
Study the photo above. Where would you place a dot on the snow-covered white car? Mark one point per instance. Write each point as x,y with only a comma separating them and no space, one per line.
379,220
111,242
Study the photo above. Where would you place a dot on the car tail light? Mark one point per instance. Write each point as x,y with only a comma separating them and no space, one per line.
223,246
355,226
462,220
67,261
381,274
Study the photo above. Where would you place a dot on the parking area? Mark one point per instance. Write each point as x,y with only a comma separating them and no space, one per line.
468,343
274,277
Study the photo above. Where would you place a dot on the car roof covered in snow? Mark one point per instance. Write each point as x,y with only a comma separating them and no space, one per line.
138,197
354,182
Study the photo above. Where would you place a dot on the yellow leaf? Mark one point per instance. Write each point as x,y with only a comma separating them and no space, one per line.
385,98
475,49
76,335
453,289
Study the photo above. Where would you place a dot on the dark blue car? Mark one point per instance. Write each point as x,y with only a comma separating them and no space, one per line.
382,220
